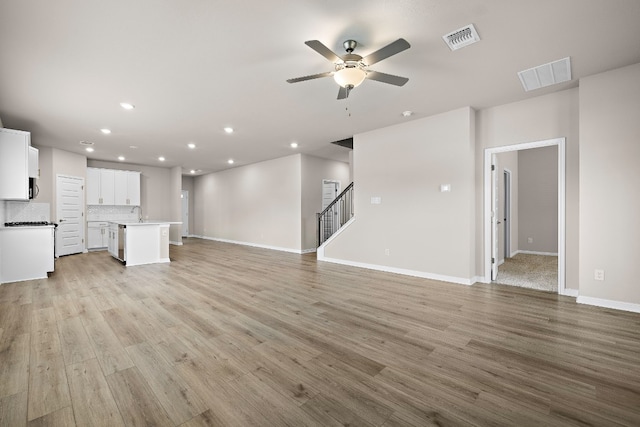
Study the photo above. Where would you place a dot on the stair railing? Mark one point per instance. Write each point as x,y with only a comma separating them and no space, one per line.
335,215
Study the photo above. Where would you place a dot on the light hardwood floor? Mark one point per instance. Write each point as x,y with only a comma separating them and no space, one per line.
239,336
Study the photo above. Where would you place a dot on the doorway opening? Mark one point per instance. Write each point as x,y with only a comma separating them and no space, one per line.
507,214
184,196
490,210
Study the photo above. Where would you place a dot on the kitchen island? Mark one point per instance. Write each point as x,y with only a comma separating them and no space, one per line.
137,243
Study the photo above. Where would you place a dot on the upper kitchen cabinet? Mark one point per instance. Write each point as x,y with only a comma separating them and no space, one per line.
14,164
127,188
113,187
100,186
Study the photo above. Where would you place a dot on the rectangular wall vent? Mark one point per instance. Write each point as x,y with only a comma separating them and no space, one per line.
461,37
546,75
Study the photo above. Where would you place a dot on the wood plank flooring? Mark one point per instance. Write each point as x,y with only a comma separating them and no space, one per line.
227,335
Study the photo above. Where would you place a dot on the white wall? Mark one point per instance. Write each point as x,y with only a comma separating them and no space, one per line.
610,185
314,170
175,205
535,119
257,204
426,232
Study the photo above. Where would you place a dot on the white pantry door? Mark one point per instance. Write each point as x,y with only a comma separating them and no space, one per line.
70,214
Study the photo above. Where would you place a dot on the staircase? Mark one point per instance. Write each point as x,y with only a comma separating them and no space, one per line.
335,215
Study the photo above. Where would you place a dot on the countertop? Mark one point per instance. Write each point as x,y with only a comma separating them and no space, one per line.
145,222
26,227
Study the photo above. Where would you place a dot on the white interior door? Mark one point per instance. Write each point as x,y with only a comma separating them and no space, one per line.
495,196
330,190
70,215
185,213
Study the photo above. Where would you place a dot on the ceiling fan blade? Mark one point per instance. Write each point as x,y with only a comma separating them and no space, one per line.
387,78
323,50
387,51
311,77
343,93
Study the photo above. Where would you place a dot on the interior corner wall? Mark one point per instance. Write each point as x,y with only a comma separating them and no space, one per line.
535,119
538,199
314,170
416,228
258,204
609,182
155,200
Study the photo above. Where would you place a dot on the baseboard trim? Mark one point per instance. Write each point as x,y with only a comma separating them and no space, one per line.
570,292
308,251
535,253
478,279
402,271
254,245
171,242
616,305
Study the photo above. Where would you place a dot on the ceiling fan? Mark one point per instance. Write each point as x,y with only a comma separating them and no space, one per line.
351,69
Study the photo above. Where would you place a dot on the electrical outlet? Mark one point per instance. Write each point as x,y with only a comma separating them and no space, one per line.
598,274
386,252
529,239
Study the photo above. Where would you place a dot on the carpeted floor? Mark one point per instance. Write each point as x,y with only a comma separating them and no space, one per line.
530,271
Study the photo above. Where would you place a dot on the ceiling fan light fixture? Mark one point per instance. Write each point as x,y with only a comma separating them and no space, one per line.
350,76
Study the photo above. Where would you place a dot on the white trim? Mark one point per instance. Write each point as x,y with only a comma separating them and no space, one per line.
535,253
488,152
477,279
171,242
617,305
404,272
308,251
255,245
570,292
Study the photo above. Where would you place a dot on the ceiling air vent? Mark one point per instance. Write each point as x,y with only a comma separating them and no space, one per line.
461,37
546,75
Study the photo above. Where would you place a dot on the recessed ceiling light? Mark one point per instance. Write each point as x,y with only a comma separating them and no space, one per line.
121,158
133,147
228,129
193,171
407,113
230,161
127,106
89,149
294,145
86,143
162,159
191,145
105,131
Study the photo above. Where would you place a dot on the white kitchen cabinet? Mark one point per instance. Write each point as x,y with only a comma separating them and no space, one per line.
127,188
97,235
112,239
26,253
34,171
100,186
113,187
14,164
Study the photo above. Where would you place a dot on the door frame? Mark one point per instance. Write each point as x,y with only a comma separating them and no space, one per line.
507,213
488,152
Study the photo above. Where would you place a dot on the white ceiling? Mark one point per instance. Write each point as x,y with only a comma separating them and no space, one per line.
193,67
